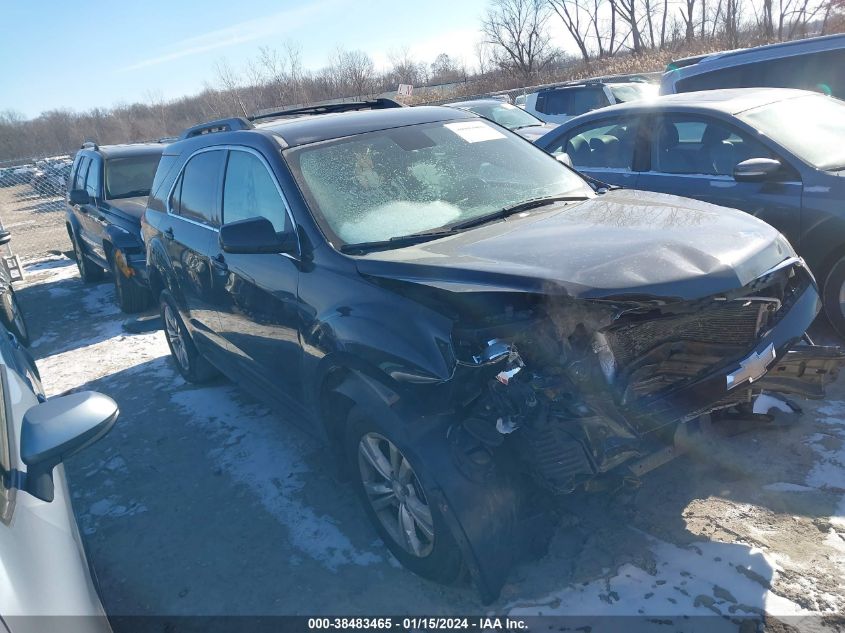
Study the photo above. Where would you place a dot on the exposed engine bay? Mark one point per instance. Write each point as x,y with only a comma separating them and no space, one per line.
574,390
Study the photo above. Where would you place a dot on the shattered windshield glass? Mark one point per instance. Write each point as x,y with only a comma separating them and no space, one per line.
397,182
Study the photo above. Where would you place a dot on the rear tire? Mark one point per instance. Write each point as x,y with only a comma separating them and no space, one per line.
88,270
12,317
833,297
193,366
397,503
130,297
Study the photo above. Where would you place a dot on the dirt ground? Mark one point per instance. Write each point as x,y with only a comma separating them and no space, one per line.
202,501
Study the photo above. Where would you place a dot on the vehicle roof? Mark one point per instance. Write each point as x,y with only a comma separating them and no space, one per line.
587,84
475,102
323,127
744,55
128,149
728,100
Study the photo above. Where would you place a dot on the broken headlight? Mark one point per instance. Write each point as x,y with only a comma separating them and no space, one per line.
607,361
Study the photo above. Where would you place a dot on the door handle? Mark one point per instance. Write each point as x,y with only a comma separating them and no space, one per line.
219,262
168,233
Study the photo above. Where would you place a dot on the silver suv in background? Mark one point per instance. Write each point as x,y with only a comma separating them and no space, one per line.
43,565
558,104
816,63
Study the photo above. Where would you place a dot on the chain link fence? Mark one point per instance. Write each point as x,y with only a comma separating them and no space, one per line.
32,205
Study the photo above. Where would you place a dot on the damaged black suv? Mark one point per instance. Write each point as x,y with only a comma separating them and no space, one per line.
471,327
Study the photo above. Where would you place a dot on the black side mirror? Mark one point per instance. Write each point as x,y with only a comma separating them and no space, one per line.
757,170
5,237
54,430
79,196
255,235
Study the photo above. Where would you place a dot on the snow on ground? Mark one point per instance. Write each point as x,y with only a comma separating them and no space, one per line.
197,485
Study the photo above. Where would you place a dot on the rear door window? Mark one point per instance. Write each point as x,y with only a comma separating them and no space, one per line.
608,143
199,188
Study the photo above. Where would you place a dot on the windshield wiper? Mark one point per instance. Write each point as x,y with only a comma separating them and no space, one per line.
394,242
525,205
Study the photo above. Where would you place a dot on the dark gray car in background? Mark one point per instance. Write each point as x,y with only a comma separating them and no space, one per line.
778,154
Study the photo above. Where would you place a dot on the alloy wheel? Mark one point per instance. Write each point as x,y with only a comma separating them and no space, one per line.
842,298
173,331
395,494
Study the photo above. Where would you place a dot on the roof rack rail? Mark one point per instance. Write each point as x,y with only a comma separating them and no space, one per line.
327,108
90,145
220,125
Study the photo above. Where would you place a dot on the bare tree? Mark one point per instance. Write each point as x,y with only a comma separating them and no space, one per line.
688,17
577,22
517,28
628,12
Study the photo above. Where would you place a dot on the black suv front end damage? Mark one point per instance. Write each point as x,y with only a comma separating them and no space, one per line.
578,393
554,394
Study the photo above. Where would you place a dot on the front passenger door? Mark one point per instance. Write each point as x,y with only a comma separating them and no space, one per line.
259,316
695,156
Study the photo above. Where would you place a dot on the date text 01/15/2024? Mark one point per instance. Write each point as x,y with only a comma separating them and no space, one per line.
417,623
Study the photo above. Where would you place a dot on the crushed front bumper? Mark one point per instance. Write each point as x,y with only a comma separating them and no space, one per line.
776,363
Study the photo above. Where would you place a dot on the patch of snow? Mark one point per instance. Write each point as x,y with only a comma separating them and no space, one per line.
252,453
701,579
75,367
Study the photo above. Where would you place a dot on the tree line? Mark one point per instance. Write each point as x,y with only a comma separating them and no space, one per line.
516,49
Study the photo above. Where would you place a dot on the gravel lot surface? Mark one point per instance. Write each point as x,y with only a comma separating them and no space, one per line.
202,501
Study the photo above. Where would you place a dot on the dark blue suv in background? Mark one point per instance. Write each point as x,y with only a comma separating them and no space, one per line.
106,194
776,153
467,323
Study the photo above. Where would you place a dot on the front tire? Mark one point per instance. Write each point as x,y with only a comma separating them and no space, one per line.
12,317
833,297
193,366
131,297
88,270
396,501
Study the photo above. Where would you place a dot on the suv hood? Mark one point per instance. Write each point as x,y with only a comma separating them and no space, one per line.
132,208
624,244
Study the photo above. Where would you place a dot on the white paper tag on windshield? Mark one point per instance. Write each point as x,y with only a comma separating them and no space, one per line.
475,131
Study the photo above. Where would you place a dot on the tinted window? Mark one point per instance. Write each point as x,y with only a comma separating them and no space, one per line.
700,146
249,191
572,101
81,173
821,72
607,143
200,187
92,180
130,176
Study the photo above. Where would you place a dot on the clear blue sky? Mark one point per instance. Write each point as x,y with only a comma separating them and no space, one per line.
78,55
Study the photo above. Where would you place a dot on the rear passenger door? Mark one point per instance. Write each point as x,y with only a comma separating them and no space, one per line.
259,317
604,149
191,235
695,156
